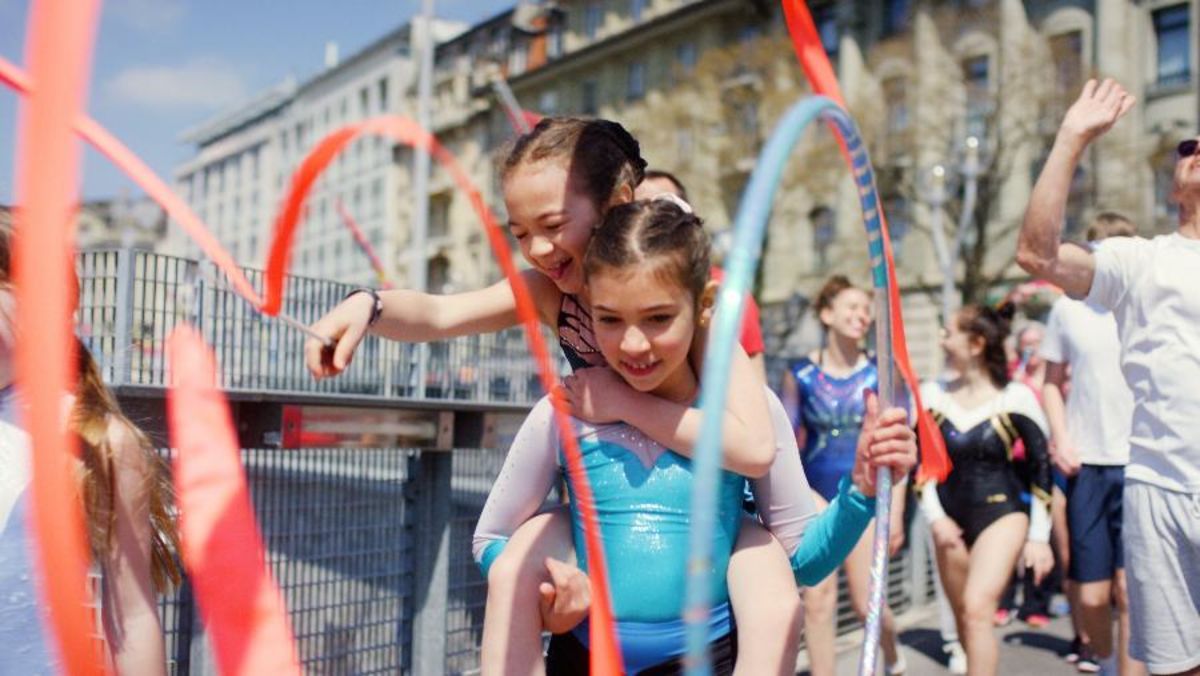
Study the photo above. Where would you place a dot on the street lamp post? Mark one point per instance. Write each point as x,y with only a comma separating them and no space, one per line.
936,195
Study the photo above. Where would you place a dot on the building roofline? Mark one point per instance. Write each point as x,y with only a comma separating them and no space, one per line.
222,123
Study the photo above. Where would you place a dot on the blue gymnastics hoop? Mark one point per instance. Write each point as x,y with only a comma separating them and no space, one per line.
749,229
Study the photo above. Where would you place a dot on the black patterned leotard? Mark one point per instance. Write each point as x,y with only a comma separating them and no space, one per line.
986,482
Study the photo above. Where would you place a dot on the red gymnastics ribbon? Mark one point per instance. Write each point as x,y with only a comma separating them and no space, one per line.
221,543
605,655
364,244
935,462
60,41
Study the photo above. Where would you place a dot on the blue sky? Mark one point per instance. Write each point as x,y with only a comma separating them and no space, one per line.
163,65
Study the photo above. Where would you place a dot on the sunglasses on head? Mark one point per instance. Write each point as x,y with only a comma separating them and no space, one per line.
1187,148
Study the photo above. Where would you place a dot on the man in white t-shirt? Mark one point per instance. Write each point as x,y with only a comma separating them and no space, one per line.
1089,431
1152,288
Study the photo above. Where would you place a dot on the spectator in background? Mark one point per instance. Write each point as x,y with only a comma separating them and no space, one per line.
1089,432
658,182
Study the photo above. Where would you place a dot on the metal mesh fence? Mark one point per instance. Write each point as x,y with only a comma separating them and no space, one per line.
474,473
337,527
131,300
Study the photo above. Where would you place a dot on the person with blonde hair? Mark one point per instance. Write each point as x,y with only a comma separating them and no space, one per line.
124,490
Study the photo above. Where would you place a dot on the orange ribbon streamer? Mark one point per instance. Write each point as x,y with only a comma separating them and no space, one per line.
241,605
605,654
935,462
59,48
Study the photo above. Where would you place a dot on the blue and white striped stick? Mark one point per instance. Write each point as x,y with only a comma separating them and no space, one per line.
749,228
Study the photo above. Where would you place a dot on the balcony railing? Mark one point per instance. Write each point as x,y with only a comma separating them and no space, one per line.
130,301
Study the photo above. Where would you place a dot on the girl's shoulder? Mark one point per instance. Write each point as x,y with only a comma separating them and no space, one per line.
1019,399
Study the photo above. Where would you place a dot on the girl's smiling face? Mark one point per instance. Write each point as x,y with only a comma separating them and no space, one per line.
849,314
644,323
551,221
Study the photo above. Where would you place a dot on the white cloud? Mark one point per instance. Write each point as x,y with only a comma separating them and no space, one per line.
199,83
150,16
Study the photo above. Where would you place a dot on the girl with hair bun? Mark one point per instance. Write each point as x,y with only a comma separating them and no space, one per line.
824,393
979,521
559,181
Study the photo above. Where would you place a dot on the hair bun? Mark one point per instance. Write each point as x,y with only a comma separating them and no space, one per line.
628,145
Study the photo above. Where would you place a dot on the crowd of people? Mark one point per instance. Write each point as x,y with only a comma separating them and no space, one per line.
1075,444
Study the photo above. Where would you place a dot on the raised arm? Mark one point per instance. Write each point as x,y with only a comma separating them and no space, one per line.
418,317
1039,248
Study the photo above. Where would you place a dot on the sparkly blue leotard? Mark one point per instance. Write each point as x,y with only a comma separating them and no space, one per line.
831,412
642,493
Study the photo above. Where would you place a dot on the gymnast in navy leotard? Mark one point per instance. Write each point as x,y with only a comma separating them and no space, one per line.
824,393
830,411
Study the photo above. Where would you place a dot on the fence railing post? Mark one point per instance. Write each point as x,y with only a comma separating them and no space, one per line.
429,473
123,343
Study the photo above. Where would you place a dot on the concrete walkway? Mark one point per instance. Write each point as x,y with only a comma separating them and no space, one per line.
1023,649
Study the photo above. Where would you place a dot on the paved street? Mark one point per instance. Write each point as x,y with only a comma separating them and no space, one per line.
1023,650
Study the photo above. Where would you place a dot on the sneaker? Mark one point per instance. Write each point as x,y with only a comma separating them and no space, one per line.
1004,617
1072,655
1087,662
957,664
898,667
1036,620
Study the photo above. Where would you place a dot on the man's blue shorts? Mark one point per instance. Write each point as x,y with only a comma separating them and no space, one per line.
1094,519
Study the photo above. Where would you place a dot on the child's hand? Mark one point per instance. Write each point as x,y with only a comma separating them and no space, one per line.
885,440
1038,557
566,600
596,394
346,324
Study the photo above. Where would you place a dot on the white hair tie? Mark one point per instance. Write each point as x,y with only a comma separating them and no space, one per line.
676,200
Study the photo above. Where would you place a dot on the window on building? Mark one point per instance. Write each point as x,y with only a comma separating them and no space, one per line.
686,56
635,87
895,97
826,20
896,208
895,16
976,77
554,41
364,102
593,15
437,274
1066,51
824,230
1171,32
439,215
636,9
344,110
377,198
548,102
383,94
588,102
518,58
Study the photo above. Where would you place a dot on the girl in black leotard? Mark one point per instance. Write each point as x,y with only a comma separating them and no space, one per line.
980,522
